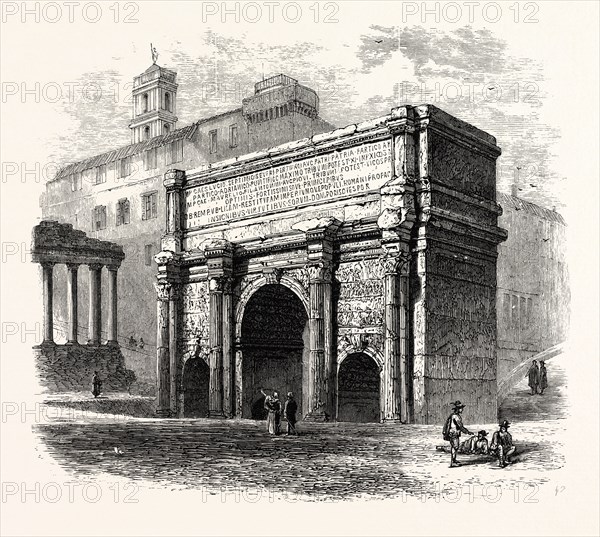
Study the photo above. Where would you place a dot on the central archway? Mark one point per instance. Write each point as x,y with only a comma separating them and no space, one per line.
274,339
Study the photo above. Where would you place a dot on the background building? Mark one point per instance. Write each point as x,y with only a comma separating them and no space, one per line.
533,282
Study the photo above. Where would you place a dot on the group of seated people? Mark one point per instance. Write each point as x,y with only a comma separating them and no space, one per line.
501,446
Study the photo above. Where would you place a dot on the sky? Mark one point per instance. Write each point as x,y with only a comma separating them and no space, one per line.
494,68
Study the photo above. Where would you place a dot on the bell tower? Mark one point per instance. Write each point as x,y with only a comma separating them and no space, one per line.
154,103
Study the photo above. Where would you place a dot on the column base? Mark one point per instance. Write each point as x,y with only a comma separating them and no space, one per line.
72,342
47,343
92,343
217,414
112,343
163,413
392,420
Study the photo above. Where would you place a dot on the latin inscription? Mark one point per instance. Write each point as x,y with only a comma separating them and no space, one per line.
348,172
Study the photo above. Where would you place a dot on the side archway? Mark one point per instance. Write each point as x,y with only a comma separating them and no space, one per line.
359,386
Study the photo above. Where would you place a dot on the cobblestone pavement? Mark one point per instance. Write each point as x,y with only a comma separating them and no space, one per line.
327,461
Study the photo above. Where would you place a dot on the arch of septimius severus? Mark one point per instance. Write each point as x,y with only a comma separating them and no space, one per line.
356,269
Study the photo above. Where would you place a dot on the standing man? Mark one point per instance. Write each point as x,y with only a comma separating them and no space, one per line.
543,377
452,430
534,377
96,385
290,408
502,444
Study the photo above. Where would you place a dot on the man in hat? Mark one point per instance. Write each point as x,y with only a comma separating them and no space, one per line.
477,445
533,376
452,430
543,377
289,410
502,444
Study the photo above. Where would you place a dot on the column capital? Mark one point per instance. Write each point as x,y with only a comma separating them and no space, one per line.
95,266
163,291
112,268
73,266
220,284
47,264
320,272
394,262
174,179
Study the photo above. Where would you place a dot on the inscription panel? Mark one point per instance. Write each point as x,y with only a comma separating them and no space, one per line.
348,172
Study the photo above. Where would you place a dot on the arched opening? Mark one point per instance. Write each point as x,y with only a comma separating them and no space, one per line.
274,341
358,389
196,376
146,133
166,129
144,103
168,102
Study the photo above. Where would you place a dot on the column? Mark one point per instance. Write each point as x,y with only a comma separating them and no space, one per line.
319,355
112,305
395,346
48,291
391,345
228,349
215,395
95,317
163,291
173,356
72,302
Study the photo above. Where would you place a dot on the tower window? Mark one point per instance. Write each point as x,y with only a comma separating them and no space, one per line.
123,211
233,136
166,129
168,102
149,208
76,183
212,141
144,103
146,133
125,166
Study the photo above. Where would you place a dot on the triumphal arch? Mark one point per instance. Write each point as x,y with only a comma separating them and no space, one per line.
356,269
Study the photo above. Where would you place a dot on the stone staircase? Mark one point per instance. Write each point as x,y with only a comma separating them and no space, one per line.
518,373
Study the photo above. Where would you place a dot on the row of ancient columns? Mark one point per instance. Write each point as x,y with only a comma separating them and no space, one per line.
95,299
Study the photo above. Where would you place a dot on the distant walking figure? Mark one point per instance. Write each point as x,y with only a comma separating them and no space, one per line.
543,377
96,385
534,377
452,429
502,444
289,410
273,408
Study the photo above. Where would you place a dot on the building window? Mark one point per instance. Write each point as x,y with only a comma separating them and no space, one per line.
149,209
166,129
76,183
123,211
168,102
144,103
174,152
233,136
212,141
146,133
148,254
99,217
150,159
125,166
101,174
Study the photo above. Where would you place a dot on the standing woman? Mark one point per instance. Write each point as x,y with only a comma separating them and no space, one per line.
273,408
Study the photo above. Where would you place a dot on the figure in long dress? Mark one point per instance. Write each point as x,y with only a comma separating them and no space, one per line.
96,384
273,408
543,377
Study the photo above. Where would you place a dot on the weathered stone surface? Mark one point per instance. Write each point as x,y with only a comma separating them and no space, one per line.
67,368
